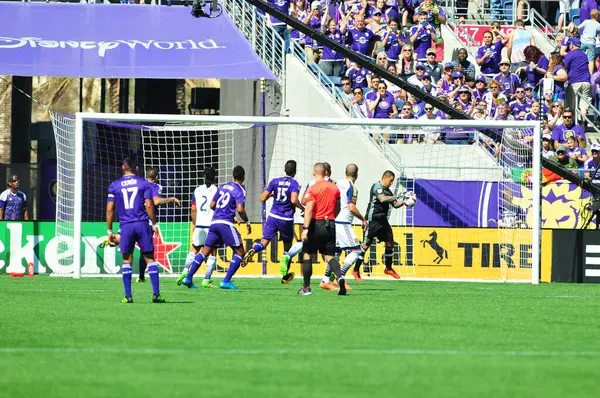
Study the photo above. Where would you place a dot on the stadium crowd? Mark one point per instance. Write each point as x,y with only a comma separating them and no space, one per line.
511,78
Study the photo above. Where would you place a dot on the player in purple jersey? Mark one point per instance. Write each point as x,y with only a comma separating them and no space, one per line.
228,199
157,200
284,191
133,198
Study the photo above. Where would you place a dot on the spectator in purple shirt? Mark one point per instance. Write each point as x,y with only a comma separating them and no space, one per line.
557,71
277,25
392,41
537,65
313,20
298,12
560,133
575,151
359,75
480,88
421,36
585,9
508,80
359,38
332,62
578,76
519,107
488,55
593,162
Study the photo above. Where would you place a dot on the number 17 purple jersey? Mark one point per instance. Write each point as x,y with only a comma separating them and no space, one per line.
227,197
282,188
129,192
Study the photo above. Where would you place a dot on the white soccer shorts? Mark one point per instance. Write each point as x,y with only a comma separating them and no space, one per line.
199,237
345,237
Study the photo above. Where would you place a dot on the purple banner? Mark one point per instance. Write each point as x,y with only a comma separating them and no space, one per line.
475,204
82,40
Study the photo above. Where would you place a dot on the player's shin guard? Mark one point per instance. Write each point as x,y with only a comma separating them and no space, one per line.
195,265
389,257
126,272
142,264
350,259
153,273
295,249
210,266
234,265
307,271
188,260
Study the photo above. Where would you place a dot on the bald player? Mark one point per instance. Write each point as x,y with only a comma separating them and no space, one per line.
318,232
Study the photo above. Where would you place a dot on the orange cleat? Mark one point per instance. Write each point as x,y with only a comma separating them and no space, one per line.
348,288
327,286
392,273
356,276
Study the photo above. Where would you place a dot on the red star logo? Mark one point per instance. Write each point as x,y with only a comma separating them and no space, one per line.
162,250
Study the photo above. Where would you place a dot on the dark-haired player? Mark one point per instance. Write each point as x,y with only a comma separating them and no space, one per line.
284,191
228,199
133,198
202,215
157,200
380,199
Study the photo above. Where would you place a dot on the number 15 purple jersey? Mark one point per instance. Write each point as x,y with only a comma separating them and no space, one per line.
282,188
227,197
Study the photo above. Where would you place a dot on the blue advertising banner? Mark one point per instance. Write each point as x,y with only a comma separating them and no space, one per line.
82,40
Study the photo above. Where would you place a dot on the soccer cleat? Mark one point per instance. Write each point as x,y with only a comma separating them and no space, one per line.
228,285
188,283
342,291
288,278
127,300
327,286
356,276
140,280
284,264
247,257
158,299
305,291
348,288
182,277
207,284
392,273
104,244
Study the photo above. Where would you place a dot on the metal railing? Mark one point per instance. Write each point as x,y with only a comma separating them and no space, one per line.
579,116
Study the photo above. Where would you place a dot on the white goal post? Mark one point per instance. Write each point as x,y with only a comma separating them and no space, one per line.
427,154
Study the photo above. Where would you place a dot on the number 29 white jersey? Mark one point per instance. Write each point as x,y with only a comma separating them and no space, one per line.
202,197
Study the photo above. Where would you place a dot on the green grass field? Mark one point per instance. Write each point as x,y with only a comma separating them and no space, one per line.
73,338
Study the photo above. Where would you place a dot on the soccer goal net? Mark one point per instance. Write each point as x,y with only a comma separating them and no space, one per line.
474,219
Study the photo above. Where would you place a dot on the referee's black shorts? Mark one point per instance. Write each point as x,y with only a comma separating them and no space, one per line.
380,229
321,238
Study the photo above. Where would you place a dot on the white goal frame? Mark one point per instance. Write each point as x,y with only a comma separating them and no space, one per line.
81,117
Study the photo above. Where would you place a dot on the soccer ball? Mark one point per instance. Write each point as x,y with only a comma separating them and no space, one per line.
409,199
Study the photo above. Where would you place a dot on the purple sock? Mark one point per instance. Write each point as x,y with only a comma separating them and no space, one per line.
258,247
126,271
195,265
153,272
234,265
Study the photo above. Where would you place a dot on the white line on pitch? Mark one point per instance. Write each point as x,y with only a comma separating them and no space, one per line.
292,351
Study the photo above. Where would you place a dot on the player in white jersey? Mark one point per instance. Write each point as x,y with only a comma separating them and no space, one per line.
346,239
202,216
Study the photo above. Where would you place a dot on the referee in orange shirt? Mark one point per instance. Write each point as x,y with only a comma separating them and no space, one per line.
322,206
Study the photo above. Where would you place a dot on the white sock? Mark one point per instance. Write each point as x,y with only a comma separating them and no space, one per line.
295,249
325,279
188,260
211,262
349,261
